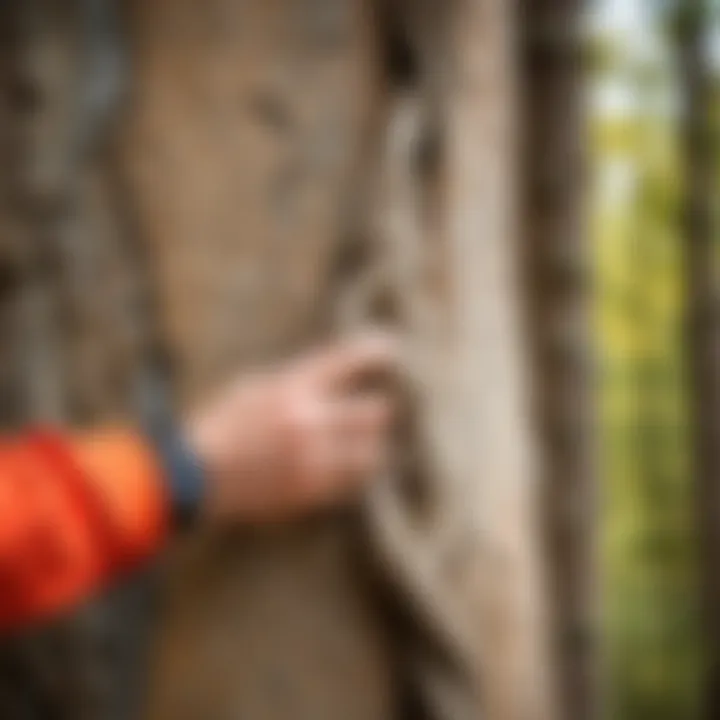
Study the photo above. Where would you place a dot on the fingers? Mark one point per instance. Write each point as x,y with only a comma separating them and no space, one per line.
362,431
362,415
305,435
350,449
347,365
339,472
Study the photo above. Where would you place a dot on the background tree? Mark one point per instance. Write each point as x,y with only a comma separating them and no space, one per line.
558,253
691,29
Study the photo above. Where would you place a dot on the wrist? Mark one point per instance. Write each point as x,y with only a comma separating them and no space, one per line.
183,472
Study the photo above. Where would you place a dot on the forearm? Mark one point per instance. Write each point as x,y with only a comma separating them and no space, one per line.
78,510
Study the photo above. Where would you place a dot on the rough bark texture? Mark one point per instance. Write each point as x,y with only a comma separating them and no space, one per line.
71,344
289,168
503,583
703,318
557,269
249,128
463,545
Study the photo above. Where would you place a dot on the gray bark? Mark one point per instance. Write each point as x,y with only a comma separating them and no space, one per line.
72,348
557,254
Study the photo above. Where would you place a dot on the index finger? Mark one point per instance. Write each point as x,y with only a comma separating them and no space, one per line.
346,365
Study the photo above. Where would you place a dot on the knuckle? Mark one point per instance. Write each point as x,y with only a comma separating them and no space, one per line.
301,419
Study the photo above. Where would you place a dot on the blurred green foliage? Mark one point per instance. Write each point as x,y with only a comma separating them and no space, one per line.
650,581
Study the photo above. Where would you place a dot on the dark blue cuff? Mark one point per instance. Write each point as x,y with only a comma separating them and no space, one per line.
183,473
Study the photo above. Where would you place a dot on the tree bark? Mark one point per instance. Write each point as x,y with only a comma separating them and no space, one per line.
249,128
557,251
256,138
449,222
72,347
498,484
703,318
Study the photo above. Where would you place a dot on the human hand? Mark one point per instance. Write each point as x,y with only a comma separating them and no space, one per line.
308,434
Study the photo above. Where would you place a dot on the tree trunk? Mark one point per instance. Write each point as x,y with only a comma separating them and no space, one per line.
493,485
450,196
275,154
250,127
557,269
72,347
703,320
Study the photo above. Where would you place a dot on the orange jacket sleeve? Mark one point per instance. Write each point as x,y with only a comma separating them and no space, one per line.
74,512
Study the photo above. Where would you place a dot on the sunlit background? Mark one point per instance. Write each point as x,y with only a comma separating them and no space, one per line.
651,616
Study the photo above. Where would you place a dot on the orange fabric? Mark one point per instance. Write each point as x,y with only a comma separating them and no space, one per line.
74,512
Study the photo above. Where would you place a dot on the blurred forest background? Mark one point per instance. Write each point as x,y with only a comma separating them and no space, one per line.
650,534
